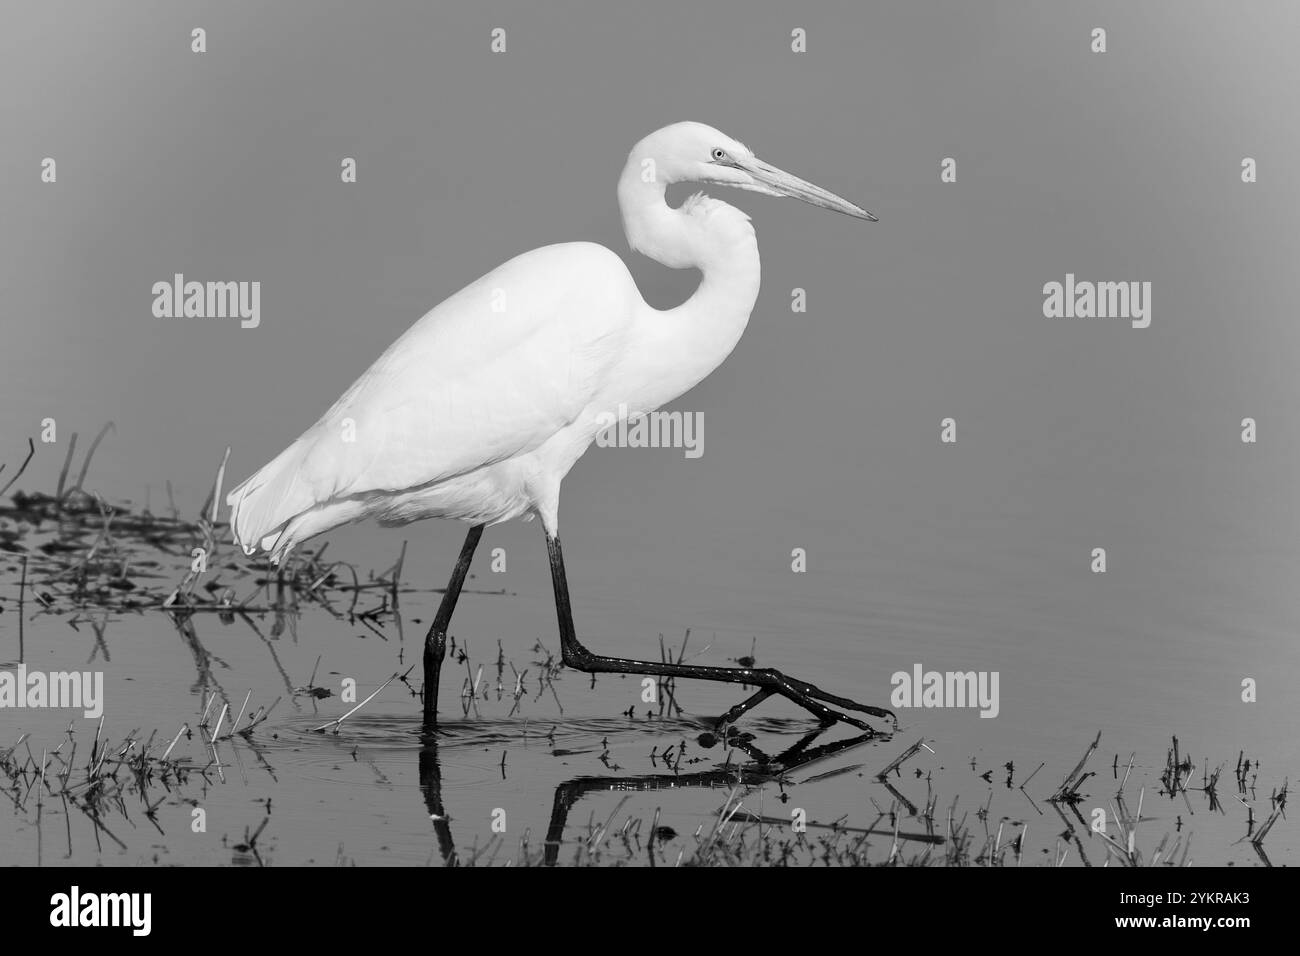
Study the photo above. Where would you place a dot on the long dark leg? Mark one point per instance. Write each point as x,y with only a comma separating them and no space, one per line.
435,642
767,680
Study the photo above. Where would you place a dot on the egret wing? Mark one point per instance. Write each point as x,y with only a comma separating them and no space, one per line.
492,372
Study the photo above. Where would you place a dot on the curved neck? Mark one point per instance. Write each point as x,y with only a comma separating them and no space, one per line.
706,234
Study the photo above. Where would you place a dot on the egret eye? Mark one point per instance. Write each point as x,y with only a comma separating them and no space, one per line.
718,154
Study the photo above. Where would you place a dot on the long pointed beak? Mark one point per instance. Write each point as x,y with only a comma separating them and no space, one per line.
778,182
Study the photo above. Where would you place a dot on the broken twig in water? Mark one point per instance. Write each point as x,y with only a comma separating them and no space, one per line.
337,723
1069,789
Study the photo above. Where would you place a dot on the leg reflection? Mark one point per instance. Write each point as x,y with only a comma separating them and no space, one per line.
431,788
763,770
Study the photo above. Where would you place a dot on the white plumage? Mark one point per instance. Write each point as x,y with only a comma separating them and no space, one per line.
481,408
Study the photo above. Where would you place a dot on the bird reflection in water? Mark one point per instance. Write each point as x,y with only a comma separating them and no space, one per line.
759,770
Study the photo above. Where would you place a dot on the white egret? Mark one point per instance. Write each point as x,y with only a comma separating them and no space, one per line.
481,408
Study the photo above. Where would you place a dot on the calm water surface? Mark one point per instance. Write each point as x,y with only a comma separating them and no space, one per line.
1139,655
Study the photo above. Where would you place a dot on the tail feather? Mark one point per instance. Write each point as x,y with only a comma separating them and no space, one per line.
310,523
262,506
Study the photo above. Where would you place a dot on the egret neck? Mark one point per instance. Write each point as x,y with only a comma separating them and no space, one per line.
685,344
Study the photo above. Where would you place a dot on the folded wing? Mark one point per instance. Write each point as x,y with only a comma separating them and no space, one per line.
492,372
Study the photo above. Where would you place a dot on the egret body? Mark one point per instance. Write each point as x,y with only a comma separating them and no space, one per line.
481,408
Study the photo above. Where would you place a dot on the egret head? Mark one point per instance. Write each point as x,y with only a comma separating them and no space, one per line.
694,152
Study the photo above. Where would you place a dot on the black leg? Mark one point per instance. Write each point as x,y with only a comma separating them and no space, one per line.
767,680
435,642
